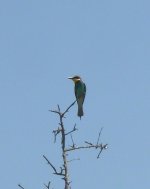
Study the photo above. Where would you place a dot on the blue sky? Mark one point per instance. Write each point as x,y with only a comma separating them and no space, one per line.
108,44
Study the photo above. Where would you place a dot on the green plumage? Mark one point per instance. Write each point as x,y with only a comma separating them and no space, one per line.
80,91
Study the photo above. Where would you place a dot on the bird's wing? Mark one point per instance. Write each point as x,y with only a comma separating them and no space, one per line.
80,90
75,91
84,89
84,92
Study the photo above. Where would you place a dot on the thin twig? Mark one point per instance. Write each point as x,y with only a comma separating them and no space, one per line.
59,112
74,129
55,111
104,147
73,160
56,132
99,135
48,185
73,144
58,107
84,147
55,171
68,108
21,186
88,143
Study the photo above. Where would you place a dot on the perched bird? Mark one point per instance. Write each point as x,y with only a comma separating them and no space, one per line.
80,91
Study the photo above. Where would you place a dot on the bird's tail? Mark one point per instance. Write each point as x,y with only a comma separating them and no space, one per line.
80,110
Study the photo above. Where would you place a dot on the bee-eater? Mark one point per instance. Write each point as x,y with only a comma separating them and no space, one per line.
80,91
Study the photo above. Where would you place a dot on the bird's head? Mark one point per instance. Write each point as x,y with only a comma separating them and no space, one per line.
75,78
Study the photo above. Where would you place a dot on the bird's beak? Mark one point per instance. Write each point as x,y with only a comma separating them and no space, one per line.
70,78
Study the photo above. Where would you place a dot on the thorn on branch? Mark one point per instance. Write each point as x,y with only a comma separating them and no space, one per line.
88,143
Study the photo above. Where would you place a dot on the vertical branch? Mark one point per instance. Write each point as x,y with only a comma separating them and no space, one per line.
64,170
64,155
63,145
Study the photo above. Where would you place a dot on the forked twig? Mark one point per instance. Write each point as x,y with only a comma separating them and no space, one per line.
48,185
53,167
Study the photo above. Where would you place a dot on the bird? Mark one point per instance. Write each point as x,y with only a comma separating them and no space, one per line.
80,92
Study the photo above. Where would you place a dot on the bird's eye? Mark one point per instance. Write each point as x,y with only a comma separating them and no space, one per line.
76,77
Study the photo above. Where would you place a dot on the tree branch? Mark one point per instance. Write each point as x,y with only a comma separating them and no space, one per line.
101,146
61,130
56,132
74,129
68,108
62,133
21,186
104,147
53,167
59,112
99,135
48,185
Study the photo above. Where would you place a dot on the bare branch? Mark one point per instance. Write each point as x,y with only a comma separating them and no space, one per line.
100,146
54,169
49,163
58,107
68,108
99,135
74,129
61,130
56,132
104,147
77,159
21,186
73,144
55,111
48,185
88,143
59,112
63,172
